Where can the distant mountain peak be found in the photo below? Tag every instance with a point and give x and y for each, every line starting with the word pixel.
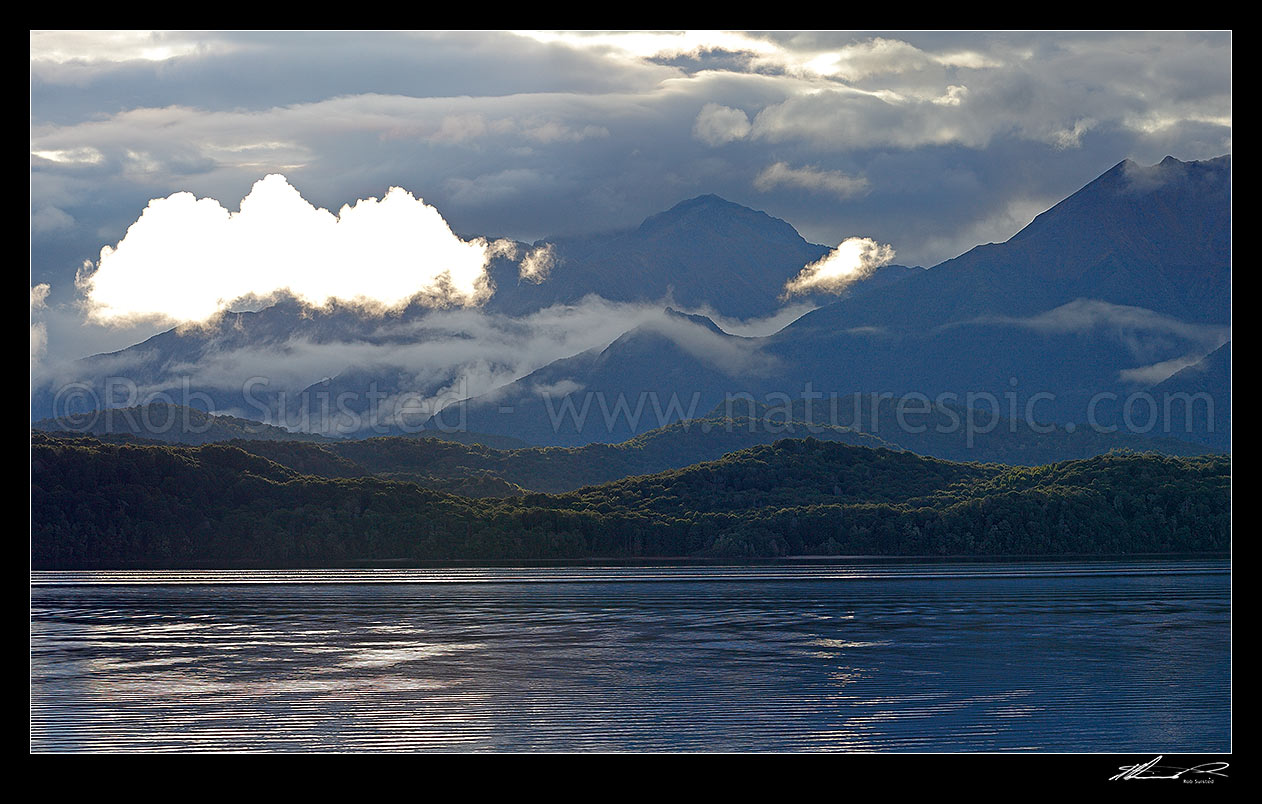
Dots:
pixel 1130 165
pixel 705 200
pixel 700 320
pixel 711 210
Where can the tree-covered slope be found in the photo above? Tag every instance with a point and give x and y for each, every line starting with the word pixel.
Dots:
pixel 556 469
pixel 100 504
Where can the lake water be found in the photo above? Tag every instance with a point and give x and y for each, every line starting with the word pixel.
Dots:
pixel 864 656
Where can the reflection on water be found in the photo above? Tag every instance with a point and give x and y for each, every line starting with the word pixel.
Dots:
pixel 1059 657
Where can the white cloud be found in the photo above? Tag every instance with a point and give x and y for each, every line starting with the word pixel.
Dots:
pixel 109 46
pixel 445 355
pixel 426 358
pixel 1157 372
pixel 70 156
pixel 953 96
pixel 811 178
pixel 874 57
pixel 846 118
pixel 39 343
pixel 735 357
pixel 50 219
pixel 538 263
pixel 186 259
pixel 658 44
pixel 1145 333
pixel 39 332
pixel 760 327
pixel 1071 136
pixel 718 125
pixel 855 258
pixel 1084 315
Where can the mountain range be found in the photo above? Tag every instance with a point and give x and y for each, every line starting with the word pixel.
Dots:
pixel 1096 301
pixel 1117 295
pixel 705 252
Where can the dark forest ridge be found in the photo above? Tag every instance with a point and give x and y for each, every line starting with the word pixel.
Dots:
pixel 99 504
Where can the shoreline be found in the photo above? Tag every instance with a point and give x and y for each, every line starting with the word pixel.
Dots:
pixel 624 562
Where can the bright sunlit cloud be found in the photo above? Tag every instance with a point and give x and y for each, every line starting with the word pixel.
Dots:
pixel 657 44
pixel 186 259
pixel 71 156
pixel 851 62
pixel 856 258
pixel 89 46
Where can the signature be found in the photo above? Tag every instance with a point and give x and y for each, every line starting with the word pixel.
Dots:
pixel 1151 770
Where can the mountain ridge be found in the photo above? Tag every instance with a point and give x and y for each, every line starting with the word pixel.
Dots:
pixel 999 317
pixel 954 329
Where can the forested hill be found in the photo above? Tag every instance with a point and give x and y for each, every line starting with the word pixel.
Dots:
pixel 96 504
pixel 476 470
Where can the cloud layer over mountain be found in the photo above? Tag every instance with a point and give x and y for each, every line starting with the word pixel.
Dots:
pixel 930 142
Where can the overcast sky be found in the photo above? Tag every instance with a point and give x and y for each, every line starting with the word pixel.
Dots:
pixel 929 142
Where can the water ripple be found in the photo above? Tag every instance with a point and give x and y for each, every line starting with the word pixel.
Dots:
pixel 1091 656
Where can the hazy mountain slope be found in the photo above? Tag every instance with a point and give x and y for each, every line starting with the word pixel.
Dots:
pixel 1131 272
pixel 649 377
pixel 1211 376
pixel 1157 237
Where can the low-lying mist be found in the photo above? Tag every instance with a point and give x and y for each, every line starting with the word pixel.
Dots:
pixel 429 357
